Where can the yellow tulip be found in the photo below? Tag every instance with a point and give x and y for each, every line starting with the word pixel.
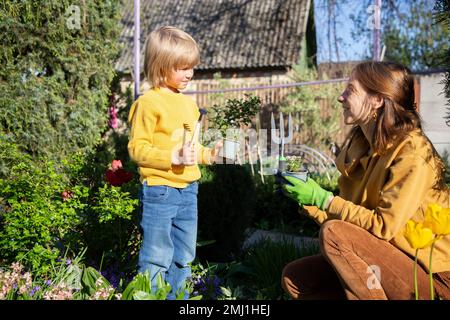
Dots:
pixel 418 237
pixel 437 219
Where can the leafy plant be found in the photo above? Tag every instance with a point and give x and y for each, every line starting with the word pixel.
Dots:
pixel 441 12
pixel 112 203
pixel 294 163
pixel 234 113
pixel 140 288
pixel 328 184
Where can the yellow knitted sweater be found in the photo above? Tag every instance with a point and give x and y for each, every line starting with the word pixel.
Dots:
pixel 157 122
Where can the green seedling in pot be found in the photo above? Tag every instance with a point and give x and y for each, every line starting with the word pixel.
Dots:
pixel 229 117
pixel 294 164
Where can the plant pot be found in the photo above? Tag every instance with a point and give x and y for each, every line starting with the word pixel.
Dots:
pixel 302 175
pixel 230 149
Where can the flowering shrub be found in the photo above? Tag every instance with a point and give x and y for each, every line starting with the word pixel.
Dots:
pixel 37 222
pixel 71 281
pixel 114 275
pixel 47 208
pixel 211 282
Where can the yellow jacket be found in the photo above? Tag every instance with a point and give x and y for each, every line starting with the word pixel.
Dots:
pixel 380 193
pixel 157 124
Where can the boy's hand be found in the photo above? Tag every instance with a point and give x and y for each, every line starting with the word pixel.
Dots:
pixel 187 155
pixel 216 150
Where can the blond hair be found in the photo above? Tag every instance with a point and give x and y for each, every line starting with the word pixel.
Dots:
pixel 166 49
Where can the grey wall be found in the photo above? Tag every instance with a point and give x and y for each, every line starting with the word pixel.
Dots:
pixel 433 109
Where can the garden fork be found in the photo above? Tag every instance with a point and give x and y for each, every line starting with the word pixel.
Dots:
pixel 282 140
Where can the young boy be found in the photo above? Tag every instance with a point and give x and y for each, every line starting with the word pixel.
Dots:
pixel 168 168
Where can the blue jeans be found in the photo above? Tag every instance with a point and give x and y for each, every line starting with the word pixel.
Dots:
pixel 169 228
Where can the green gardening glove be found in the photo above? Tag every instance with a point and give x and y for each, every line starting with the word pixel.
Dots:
pixel 306 193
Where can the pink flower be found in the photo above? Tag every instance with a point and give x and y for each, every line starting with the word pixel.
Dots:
pixel 112 112
pixel 116 164
pixel 66 195
pixel 60 292
pixel 113 121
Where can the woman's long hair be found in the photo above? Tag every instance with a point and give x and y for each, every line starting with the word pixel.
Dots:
pixel 398 115
pixel 395 84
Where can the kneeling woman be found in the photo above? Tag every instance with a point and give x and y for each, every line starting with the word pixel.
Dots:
pixel 390 173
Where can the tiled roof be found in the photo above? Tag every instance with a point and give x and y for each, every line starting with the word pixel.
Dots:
pixel 232 34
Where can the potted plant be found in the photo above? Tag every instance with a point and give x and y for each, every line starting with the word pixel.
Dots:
pixel 228 119
pixel 295 167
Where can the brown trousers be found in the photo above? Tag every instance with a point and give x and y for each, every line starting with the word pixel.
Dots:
pixel 356 265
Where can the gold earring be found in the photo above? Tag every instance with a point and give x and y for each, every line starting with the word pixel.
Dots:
pixel 374 115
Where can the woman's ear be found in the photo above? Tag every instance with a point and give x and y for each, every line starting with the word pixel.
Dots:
pixel 377 101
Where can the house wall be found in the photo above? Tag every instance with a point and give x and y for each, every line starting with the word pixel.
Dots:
pixel 433 110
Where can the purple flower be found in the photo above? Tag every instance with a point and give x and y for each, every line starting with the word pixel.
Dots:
pixel 34 290
pixel 68 262
pixel 48 282
pixel 208 287
pixel 113 275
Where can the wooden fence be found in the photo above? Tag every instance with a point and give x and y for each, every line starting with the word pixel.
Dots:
pixel 271 100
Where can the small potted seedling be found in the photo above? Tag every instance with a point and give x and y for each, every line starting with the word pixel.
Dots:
pixel 228 118
pixel 295 168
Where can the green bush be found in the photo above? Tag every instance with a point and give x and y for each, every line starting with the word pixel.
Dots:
pixel 48 209
pixel 111 227
pixel 54 82
pixel 225 205
pixel 37 220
